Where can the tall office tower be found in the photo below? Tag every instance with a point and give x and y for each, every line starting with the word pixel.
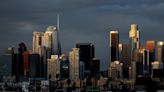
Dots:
pixel 114 42
pixel 51 41
pixel 26 63
pixel 74 63
pixel 95 68
pixel 35 66
pixel 64 67
pixel 115 70
pixel 48 39
pixel 82 70
pixel 124 57
pixel 133 71
pixel 134 39
pixel 17 66
pixel 37 41
pixel 160 51
pixel 53 68
pixel 145 61
pixel 87 52
pixel 5 66
pixel 120 49
pixel 150 45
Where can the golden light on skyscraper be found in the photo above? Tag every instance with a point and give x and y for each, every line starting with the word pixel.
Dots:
pixel 160 43
pixel 120 47
pixel 150 45
pixel 133 31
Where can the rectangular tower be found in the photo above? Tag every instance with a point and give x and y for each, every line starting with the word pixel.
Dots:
pixel 87 52
pixel 74 64
pixel 114 45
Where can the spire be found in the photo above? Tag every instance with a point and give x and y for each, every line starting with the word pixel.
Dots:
pixel 58 25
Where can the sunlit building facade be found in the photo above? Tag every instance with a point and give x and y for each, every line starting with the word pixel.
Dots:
pixel 74 64
pixel 160 51
pixel 134 39
pixel 37 41
pixel 53 66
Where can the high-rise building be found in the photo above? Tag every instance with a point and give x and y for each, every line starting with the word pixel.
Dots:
pixel 74 58
pixel 133 71
pixel 53 68
pixel 150 45
pixel 35 66
pixel 115 70
pixel 124 57
pixel 114 43
pixel 157 69
pixel 134 39
pixel 87 52
pixel 82 70
pixel 17 66
pixel 95 68
pixel 37 41
pixel 160 51
pixel 50 40
pixel 47 43
pixel 64 67
pixel 120 49
pixel 5 66
pixel 26 63
pixel 146 61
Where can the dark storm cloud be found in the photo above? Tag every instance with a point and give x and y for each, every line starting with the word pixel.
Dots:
pixel 81 21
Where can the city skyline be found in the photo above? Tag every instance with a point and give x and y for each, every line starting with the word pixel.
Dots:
pixel 81 21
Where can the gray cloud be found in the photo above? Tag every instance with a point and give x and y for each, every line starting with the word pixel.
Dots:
pixel 81 21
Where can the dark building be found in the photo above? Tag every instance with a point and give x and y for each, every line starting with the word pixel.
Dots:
pixel 17 66
pixel 95 67
pixel 114 42
pixel 26 63
pixel 36 66
pixel 64 69
pixel 150 45
pixel 22 48
pixel 124 54
pixel 87 52
pixel 5 66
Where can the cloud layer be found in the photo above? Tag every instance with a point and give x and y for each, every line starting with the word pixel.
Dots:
pixel 81 21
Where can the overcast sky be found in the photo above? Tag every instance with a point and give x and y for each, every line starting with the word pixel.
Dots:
pixel 81 21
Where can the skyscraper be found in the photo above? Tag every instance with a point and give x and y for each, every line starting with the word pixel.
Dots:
pixel 51 41
pixel 134 39
pixel 37 41
pixel 48 39
pixel 114 43
pixel 47 43
pixel 35 66
pixel 87 52
pixel 145 61
pixel 53 67
pixel 115 70
pixel 160 51
pixel 150 45
pixel 74 64
pixel 124 57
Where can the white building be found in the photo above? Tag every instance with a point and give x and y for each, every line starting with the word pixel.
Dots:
pixel 53 66
pixel 74 64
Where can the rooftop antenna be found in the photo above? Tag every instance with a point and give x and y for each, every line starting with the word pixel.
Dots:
pixel 58 22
